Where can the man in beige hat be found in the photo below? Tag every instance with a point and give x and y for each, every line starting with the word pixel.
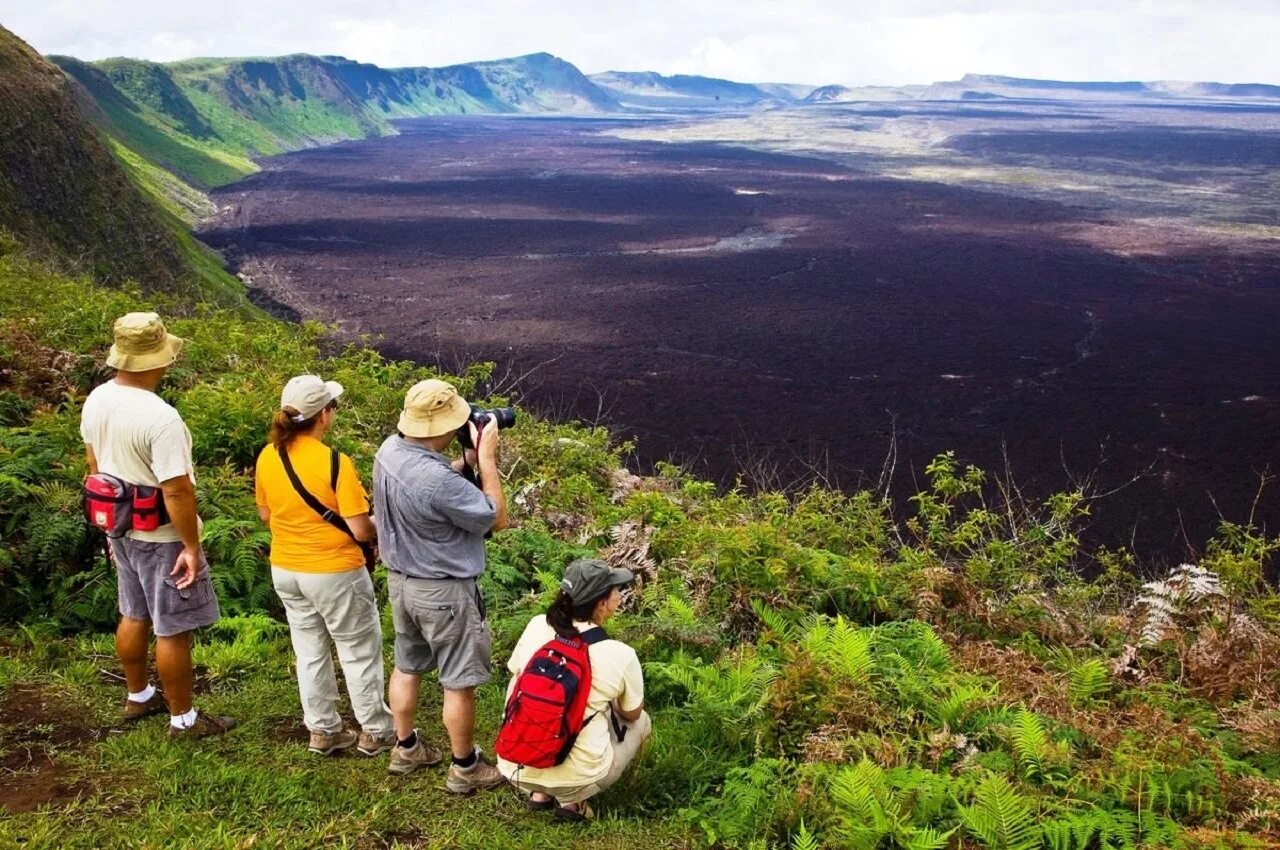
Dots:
pixel 431 528
pixel 163 580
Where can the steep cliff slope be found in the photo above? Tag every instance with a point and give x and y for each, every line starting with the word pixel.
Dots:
pixel 67 198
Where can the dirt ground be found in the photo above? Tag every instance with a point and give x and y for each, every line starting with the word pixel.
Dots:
pixel 35 726
pixel 776 316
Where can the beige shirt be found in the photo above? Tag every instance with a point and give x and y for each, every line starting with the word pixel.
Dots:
pixel 137 436
pixel 615 674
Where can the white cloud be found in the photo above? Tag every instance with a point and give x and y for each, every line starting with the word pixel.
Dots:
pixel 817 41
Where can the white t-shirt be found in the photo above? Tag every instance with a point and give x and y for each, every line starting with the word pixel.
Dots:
pixel 615 674
pixel 137 436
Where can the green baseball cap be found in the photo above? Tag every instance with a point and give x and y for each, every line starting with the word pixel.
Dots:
pixel 590 578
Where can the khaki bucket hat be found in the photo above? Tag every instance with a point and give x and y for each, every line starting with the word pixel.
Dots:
pixel 142 342
pixel 432 408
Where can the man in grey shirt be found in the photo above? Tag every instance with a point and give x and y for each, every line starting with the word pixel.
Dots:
pixel 431 527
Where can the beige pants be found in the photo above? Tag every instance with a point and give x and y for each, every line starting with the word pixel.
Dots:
pixel 337 607
pixel 624 752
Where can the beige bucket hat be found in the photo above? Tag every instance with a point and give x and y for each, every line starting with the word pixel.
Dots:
pixel 142 343
pixel 308 394
pixel 432 408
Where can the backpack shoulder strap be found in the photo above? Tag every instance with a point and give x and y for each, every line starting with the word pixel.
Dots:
pixel 593 635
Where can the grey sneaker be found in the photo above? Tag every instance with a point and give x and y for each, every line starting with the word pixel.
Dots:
pixel 372 745
pixel 479 775
pixel 406 761
pixel 328 743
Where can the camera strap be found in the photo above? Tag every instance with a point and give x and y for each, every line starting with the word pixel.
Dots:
pixel 328 515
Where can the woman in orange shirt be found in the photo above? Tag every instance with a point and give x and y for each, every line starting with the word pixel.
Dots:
pixel 311 497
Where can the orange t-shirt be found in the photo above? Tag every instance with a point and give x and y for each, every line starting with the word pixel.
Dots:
pixel 300 539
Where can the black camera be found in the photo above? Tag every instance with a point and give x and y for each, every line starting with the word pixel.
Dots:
pixel 504 416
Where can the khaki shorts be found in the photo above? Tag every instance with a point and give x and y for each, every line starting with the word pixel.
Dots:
pixel 441 624
pixel 145 590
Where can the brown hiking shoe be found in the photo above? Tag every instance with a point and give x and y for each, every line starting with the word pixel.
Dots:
pixel 479 775
pixel 405 761
pixel 328 743
pixel 205 726
pixel 138 710
pixel 372 745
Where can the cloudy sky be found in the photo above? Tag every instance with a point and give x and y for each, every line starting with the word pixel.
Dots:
pixel 809 41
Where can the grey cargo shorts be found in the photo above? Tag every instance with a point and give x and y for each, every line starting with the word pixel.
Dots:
pixel 441 624
pixel 146 591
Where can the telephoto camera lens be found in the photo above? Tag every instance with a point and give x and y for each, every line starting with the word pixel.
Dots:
pixel 505 417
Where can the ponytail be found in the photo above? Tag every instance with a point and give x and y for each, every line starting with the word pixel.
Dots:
pixel 563 612
pixel 284 429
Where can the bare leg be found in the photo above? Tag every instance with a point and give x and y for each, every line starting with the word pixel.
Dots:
pixel 460 720
pixel 173 660
pixel 403 696
pixel 132 638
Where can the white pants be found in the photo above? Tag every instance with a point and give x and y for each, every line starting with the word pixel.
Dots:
pixel 337 607
pixel 624 752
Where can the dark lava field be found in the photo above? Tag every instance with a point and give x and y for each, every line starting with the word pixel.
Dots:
pixel 782 316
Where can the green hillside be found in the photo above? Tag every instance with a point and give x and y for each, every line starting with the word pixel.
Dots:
pixel 205 120
pixel 69 200
pixel 141 106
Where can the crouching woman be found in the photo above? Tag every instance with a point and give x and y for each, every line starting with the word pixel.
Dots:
pixel 318 568
pixel 616 724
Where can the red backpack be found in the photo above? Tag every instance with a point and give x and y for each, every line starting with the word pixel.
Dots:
pixel 548 705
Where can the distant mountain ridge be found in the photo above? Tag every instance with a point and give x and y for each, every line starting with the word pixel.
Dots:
pixel 647 88
pixel 995 84
pixel 205 119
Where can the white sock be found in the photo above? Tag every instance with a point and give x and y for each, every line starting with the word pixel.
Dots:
pixel 183 721
pixel 143 695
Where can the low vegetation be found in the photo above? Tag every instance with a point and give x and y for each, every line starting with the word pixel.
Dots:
pixel 821 673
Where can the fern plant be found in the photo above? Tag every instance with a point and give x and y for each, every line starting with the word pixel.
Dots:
pixel 1000 817
pixel 841 647
pixel 803 839
pixel 730 695
pixel 1090 680
pixel 873 814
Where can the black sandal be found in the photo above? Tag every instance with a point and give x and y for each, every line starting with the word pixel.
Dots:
pixel 540 805
pixel 582 815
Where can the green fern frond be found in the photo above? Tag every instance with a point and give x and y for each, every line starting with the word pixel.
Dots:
pixel 860 792
pixel 850 651
pixel 1089 681
pixel 1000 817
pixel 774 621
pixel 926 838
pixel 1030 744
pixel 678 610
pixel 955 707
pixel 804 839
pixel 816 636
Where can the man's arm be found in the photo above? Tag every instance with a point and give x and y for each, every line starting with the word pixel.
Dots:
pixel 487 461
pixel 264 514
pixel 91 459
pixel 180 502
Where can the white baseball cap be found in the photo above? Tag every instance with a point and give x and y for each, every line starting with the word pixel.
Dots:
pixel 308 395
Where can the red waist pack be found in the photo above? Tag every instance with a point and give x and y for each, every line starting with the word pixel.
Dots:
pixel 116 507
